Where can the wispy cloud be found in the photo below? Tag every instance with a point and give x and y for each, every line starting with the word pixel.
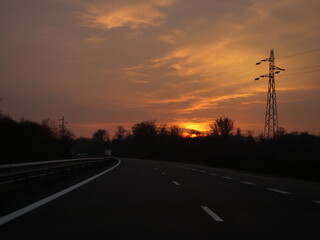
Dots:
pixel 131 14
pixel 221 59
pixel 190 61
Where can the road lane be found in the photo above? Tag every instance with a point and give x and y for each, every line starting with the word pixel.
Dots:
pixel 251 211
pixel 135 201
pixel 131 202
pixel 16 196
pixel 301 187
pixel 13 215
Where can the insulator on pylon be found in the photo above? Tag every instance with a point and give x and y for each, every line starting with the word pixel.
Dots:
pixel 271 117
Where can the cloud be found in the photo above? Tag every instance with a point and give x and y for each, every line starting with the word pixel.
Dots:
pixel 173 60
pixel 175 37
pixel 131 14
pixel 223 53
pixel 140 81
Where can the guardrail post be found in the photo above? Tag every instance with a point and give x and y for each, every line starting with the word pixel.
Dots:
pixel 25 172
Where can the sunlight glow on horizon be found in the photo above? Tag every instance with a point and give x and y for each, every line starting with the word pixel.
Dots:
pixel 108 63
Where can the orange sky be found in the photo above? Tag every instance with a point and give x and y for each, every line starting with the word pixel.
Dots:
pixel 107 63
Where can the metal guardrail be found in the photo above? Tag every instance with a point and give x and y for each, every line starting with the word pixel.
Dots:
pixel 10 173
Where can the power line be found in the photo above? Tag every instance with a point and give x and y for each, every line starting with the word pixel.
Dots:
pixel 301 53
pixel 271 117
pixel 293 74
pixel 266 75
pixel 303 67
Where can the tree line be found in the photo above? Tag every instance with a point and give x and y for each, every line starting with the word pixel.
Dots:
pixel 28 141
pixel 291 154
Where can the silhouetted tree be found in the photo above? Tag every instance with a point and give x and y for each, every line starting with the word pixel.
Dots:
pixel 145 130
pixel 101 142
pixel 120 133
pixel 294 154
pixel 30 141
pixel 175 131
pixel 50 128
pixel 222 126
pixel 250 133
pixel 280 132
pixel 101 135
pixel 238 132
pixel 162 130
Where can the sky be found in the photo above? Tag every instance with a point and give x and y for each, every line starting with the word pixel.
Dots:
pixel 102 64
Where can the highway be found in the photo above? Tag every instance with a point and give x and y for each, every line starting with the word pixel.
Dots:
pixel 146 199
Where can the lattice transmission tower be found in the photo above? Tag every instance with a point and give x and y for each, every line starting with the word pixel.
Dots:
pixel 271 118
pixel 62 126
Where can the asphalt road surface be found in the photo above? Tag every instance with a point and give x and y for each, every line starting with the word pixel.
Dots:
pixel 144 199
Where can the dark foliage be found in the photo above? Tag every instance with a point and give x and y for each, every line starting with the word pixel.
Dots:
pixel 222 126
pixel 93 147
pixel 291 154
pixel 27 141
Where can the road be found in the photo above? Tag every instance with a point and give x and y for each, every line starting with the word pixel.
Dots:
pixel 144 199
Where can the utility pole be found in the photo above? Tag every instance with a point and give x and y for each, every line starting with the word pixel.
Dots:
pixel 62 126
pixel 271 117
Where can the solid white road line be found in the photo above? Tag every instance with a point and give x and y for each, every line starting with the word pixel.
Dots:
pixel 278 191
pixel 228 177
pixel 22 211
pixel 163 173
pixel 249 183
pixel 316 201
pixel 212 174
pixel 10 181
pixel 212 214
pixel 176 183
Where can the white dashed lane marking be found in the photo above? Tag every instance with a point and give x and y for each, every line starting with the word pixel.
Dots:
pixel 228 177
pixel 278 191
pixel 176 183
pixel 225 177
pixel 249 183
pixel 212 214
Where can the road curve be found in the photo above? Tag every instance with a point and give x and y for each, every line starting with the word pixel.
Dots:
pixel 144 199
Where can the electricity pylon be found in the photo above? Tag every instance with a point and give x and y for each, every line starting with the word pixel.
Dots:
pixel 271 118
pixel 62 126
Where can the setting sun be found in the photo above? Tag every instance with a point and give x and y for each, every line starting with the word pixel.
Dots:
pixel 160 119
pixel 106 63
pixel 202 127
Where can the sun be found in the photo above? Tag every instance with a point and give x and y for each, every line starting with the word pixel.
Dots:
pixel 191 128
pixel 201 126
